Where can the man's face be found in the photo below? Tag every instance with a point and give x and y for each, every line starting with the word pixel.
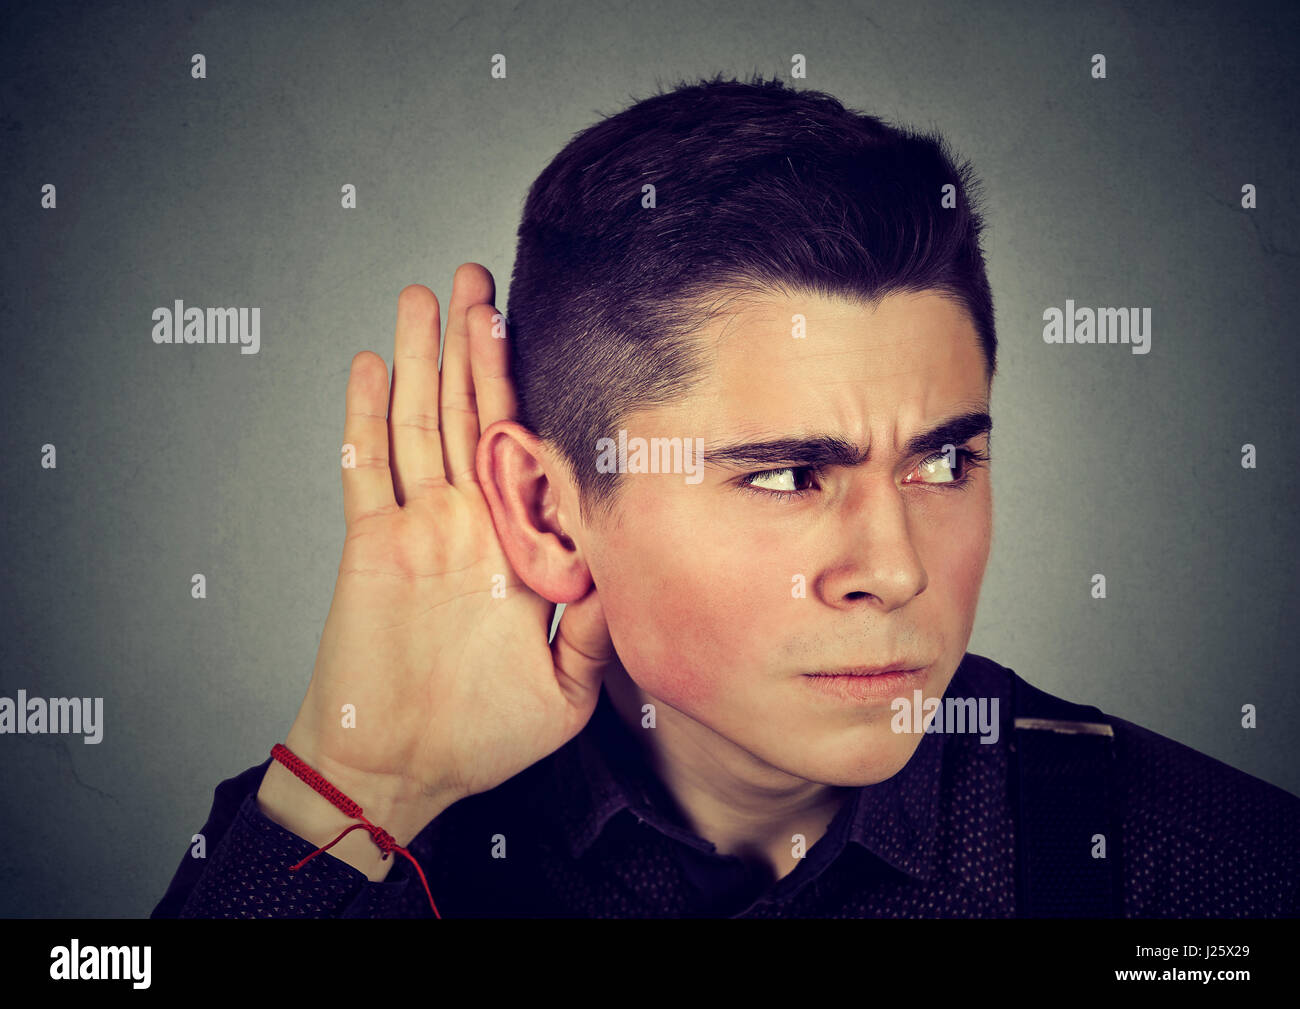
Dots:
pixel 722 595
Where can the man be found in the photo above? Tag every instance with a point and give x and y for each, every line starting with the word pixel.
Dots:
pixel 740 425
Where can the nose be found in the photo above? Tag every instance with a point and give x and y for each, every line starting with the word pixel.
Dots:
pixel 879 565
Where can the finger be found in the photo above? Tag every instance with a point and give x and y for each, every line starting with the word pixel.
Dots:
pixel 367 481
pixel 472 285
pixel 490 364
pixel 417 461
pixel 582 652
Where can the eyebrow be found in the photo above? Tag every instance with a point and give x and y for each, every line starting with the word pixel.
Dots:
pixel 822 450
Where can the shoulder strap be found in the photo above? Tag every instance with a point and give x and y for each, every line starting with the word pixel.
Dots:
pixel 1063 790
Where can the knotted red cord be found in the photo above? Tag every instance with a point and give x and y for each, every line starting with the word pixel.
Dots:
pixel 387 843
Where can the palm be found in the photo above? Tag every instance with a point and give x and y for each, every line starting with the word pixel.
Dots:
pixel 432 639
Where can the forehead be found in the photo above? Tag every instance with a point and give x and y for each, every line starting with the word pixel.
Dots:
pixel 801 361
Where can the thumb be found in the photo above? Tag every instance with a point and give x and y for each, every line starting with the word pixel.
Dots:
pixel 582 650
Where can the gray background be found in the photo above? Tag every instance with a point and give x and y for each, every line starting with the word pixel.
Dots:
pixel 225 191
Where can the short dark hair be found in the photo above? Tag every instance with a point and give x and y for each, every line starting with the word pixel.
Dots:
pixel 758 188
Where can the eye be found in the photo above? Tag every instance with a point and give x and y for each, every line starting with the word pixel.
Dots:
pixel 781 482
pixel 794 482
pixel 936 466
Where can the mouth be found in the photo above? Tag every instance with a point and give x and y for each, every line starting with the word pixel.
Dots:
pixel 868 684
pixel 861 671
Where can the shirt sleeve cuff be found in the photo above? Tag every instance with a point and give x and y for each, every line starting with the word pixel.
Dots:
pixel 248 877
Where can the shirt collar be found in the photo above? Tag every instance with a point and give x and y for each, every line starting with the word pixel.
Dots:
pixel 605 770
pixel 602 771
pixel 897 819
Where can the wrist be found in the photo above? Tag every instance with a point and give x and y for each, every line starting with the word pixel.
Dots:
pixel 388 801
pixel 295 805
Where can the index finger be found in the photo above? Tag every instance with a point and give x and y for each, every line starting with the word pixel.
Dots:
pixel 489 356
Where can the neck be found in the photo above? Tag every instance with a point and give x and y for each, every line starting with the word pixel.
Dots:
pixel 727 795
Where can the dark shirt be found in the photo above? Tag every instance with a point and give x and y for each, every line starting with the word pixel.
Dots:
pixel 590 831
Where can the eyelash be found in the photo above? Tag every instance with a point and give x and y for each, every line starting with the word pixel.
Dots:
pixel 971 460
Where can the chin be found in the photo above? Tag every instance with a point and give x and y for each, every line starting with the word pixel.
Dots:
pixel 853 767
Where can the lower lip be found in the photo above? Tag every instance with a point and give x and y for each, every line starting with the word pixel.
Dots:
pixel 868 689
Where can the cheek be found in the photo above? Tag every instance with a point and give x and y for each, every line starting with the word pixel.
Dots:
pixel 970 561
pixel 689 689
pixel 962 570
pixel 677 612
pixel 956 559
pixel 666 631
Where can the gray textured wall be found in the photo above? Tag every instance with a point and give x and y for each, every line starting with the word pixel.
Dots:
pixel 224 191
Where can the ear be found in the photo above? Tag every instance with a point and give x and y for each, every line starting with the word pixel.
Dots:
pixel 528 491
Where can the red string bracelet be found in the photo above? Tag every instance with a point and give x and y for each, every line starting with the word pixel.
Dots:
pixel 387 843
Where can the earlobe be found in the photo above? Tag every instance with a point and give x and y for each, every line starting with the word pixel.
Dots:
pixel 515 473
